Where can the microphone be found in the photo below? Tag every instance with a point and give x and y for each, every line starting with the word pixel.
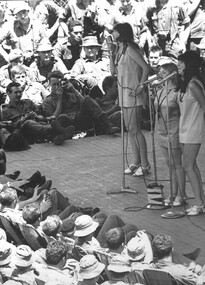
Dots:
pixel 166 78
pixel 151 78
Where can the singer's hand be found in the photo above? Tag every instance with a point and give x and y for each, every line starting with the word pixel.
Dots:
pixel 139 89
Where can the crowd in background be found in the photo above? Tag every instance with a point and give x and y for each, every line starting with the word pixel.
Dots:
pixel 62 69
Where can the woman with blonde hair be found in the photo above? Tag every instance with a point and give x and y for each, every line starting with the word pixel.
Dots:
pixel 167 129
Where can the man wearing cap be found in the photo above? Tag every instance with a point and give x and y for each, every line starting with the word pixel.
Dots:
pixel 28 31
pixel 46 63
pixel 91 70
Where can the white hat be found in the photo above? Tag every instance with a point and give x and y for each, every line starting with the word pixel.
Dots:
pixel 21 6
pixel 90 41
pixel 135 249
pixel 84 225
pixel 119 263
pixel 201 45
pixel 90 267
pixel 23 256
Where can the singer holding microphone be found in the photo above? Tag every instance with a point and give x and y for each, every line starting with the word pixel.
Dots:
pixel 167 127
pixel 127 62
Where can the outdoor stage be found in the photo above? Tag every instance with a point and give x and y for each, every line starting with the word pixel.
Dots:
pixel 85 169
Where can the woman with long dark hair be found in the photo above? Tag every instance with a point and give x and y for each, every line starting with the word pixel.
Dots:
pixel 132 70
pixel 191 126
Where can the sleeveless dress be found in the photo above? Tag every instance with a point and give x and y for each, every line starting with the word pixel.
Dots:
pixel 191 124
pixel 128 74
pixel 161 117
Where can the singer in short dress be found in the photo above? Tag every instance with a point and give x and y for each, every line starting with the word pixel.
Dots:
pixel 191 126
pixel 132 70
pixel 167 129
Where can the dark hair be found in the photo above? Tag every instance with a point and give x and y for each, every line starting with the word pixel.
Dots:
pixel 162 246
pixel 72 23
pixel 108 82
pixel 56 74
pixel 115 237
pixel 192 63
pixel 126 32
pixel 11 85
pixel 55 251
pixel 8 196
pixel 31 213
pixel 2 162
pixel 155 48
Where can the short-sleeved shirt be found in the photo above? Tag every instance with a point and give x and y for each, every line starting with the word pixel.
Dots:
pixel 168 19
pixel 28 40
pixel 14 113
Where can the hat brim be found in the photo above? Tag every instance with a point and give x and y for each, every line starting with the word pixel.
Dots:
pixel 6 260
pixel 43 49
pixel 16 11
pixel 200 46
pixel 137 258
pixel 22 263
pixel 96 45
pixel 119 268
pixel 94 273
pixel 86 231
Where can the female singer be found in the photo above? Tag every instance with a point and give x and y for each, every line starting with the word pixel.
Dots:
pixel 166 100
pixel 132 70
pixel 191 125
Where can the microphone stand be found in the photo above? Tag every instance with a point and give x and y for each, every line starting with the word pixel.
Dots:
pixel 124 188
pixel 170 214
pixel 154 187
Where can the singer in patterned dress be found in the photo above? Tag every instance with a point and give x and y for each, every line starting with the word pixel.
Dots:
pixel 132 70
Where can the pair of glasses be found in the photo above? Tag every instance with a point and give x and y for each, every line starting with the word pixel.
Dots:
pixel 76 33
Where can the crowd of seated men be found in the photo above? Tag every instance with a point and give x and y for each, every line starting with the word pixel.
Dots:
pixel 55 76
pixel 47 240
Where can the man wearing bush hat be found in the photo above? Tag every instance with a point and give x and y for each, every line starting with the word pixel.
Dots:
pixel 90 269
pixel 91 69
pixel 85 228
pixel 46 63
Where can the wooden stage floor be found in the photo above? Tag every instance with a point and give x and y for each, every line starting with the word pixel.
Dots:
pixel 85 169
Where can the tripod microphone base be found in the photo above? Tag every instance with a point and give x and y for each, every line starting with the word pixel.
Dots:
pixel 173 215
pixel 156 207
pixel 123 190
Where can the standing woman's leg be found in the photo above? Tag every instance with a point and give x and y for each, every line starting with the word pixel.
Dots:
pixel 179 175
pixel 190 152
pixel 129 114
pixel 137 135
